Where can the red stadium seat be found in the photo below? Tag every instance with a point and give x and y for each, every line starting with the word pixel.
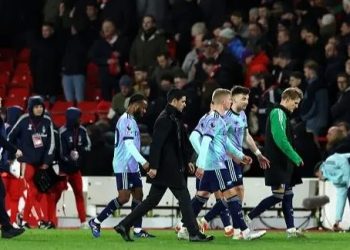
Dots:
pixel 92 75
pixel 6 54
pixel 2 90
pixel 93 93
pixel 47 105
pixel 18 92
pixel 58 119
pixel 87 106
pixel 22 68
pixel 60 107
pixel 23 55
pixel 88 110
pixel 6 67
pixel 4 78
pixel 16 101
pixel 22 80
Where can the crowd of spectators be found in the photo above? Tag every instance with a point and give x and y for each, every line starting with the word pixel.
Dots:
pixel 150 46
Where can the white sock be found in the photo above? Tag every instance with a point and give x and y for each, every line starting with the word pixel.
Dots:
pixel 237 231
pixel 183 230
pixel 245 232
pixel 137 229
pixel 97 221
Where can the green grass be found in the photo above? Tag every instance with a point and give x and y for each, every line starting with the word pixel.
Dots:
pixel 166 239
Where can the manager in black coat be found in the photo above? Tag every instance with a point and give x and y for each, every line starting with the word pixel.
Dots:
pixel 169 159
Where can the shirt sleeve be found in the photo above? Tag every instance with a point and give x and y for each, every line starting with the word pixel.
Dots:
pixel 127 130
pixel 195 139
pixel 203 152
pixel 210 128
pixel 278 131
pixel 342 191
pixel 130 146
pixel 233 150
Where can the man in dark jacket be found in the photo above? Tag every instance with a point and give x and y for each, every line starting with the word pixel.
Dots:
pixel 7 230
pixel 74 143
pixel 148 44
pixel 340 110
pixel 282 175
pixel 45 61
pixel 109 53
pixel 34 134
pixel 169 159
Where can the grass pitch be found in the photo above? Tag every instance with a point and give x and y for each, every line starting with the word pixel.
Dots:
pixel 166 239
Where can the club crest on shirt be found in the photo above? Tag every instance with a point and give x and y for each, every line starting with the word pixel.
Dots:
pixel 44 130
pixel 30 127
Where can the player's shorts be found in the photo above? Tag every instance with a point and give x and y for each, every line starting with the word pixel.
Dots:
pixel 197 183
pixel 127 181
pixel 215 180
pixel 236 172
pixel 282 189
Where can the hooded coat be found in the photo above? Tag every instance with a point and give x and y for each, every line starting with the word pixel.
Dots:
pixel 30 128
pixel 72 136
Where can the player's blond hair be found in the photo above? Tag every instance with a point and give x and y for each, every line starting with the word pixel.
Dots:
pixel 218 94
pixel 292 93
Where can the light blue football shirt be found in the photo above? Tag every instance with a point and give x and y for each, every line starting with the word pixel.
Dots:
pixel 236 126
pixel 215 128
pixel 126 129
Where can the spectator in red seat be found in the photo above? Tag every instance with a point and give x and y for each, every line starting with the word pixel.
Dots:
pixel 110 53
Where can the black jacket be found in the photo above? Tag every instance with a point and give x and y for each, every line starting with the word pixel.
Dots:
pixel 75 56
pixel 28 126
pixel 72 136
pixel 170 149
pixel 4 147
pixel 340 110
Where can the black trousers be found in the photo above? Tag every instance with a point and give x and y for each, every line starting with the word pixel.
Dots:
pixel 4 218
pixel 155 195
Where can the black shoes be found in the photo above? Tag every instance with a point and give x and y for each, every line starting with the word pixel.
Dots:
pixel 12 232
pixel 124 232
pixel 201 238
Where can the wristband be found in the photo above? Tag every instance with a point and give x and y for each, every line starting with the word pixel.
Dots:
pixel 257 152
